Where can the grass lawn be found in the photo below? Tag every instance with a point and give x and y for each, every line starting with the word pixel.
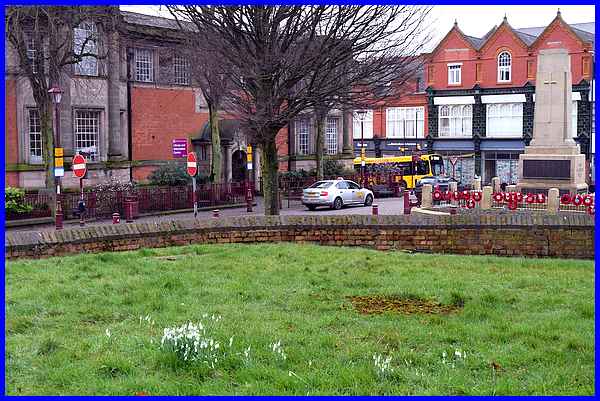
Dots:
pixel 92 324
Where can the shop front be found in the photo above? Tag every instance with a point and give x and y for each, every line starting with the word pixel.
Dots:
pixel 500 159
pixel 459 159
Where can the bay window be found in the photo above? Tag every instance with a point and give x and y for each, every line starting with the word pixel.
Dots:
pixel 504 119
pixel 455 120
pixel 404 122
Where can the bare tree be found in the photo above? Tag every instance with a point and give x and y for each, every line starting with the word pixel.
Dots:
pixel 47 47
pixel 212 78
pixel 285 60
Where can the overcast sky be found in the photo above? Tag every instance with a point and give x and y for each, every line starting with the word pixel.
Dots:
pixel 472 20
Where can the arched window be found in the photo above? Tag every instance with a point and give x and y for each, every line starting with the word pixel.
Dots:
pixel 504 65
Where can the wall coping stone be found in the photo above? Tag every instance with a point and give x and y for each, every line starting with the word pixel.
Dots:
pixel 476 220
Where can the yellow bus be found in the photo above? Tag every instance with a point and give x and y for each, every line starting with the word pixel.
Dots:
pixel 400 171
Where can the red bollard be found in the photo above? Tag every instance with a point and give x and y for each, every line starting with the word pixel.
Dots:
pixel 216 213
pixel 375 209
pixel 406 202
pixel 249 200
pixel 116 218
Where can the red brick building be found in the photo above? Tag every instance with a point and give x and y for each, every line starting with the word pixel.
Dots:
pixel 481 94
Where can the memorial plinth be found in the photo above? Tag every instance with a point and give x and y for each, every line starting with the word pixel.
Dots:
pixel 552 159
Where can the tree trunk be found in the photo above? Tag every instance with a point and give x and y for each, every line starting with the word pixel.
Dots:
pixel 270 175
pixel 216 164
pixel 319 143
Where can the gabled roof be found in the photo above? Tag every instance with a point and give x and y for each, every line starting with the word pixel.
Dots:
pixel 583 36
pixel 528 36
pixel 506 26
pixel 456 29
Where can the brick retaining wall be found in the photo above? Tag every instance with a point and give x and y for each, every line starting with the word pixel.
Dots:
pixel 536 235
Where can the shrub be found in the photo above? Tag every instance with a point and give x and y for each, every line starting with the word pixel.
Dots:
pixel 107 193
pixel 173 174
pixel 334 168
pixel 295 175
pixel 15 201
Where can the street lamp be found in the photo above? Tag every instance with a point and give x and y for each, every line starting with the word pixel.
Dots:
pixel 56 94
pixel 361 114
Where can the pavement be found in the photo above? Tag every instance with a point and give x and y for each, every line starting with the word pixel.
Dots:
pixel 389 206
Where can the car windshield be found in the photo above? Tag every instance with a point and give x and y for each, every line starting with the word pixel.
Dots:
pixel 321 184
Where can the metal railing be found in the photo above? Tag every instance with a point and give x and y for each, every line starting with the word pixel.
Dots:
pixel 146 200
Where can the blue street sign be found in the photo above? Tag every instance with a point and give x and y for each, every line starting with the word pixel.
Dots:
pixel 59 171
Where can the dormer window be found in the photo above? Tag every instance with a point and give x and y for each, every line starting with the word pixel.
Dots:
pixel 504 66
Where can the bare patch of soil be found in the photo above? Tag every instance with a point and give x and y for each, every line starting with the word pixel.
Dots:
pixel 376 304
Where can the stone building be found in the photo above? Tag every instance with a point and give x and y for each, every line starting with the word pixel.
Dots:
pixel 93 115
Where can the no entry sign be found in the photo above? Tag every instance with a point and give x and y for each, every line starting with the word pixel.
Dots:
pixel 192 164
pixel 79 167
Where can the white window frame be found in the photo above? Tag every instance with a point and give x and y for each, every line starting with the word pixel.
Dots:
pixel 86 33
pixel 454 73
pixel 367 125
pixel 34 137
pixel 331 135
pixel 405 122
pixel 302 130
pixel 504 67
pixel 460 121
pixel 181 70
pixel 144 64
pixel 86 132
pixel 504 120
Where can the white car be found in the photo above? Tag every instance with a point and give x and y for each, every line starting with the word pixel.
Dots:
pixel 336 194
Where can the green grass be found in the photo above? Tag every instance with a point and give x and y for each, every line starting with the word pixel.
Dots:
pixel 533 318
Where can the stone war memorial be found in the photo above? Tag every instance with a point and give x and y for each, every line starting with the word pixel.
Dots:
pixel 552 159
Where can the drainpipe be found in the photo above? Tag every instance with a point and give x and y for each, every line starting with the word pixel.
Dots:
pixel 129 128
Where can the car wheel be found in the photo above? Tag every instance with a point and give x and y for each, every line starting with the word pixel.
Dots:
pixel 337 203
pixel 368 200
pixel 311 207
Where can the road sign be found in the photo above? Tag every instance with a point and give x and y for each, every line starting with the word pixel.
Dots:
pixel 58 152
pixel 249 157
pixel 59 172
pixel 180 148
pixel 79 167
pixel 192 164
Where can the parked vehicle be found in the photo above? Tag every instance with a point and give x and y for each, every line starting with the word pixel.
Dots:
pixel 441 182
pixel 336 194
pixel 386 175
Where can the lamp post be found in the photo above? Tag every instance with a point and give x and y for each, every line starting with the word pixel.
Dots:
pixel 56 94
pixel 361 116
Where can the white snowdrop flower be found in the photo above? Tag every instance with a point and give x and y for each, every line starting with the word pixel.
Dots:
pixel 457 353
pixel 444 354
pixel 310 362
pixel 107 333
